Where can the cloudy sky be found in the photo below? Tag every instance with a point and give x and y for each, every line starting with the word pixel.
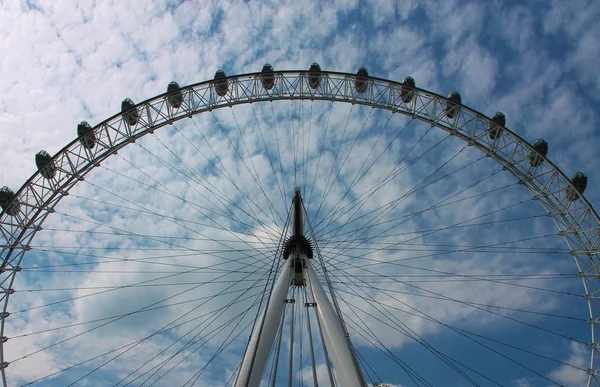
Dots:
pixel 152 271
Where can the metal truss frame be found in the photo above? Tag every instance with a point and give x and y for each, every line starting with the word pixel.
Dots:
pixel 576 220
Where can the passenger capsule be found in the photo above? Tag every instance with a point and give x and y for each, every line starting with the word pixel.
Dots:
pixel 45 164
pixel 174 96
pixel 540 146
pixel 86 135
pixel 406 91
pixel 451 104
pixel 221 83
pixel 360 81
pixel 267 76
pixel 495 127
pixel 577 187
pixel 8 201
pixel 314 76
pixel 129 112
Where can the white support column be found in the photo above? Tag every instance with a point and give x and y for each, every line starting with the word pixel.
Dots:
pixel 338 346
pixel 263 336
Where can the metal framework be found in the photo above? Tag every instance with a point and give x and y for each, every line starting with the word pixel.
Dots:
pixel 298 271
pixel 576 220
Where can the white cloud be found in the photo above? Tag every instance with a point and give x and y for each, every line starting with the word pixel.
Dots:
pixel 578 356
pixel 67 63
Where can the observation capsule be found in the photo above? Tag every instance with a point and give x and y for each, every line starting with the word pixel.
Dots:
pixel 451 104
pixel 360 82
pixel 220 82
pixel 45 164
pixel 495 128
pixel 267 76
pixel 86 135
pixel 406 91
pixel 129 112
pixel 314 76
pixel 8 201
pixel 540 146
pixel 579 182
pixel 175 96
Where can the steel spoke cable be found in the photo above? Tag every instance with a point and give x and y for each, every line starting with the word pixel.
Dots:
pixel 268 154
pixel 149 238
pixel 358 176
pixel 388 246
pixel 257 219
pixel 194 174
pixel 426 232
pixel 173 219
pixel 208 251
pixel 218 329
pixel 222 347
pixel 333 252
pixel 178 172
pixel 320 155
pixel 424 316
pixel 418 186
pixel 485 346
pixel 339 170
pixel 131 286
pixel 278 148
pixel 480 275
pixel 455 225
pixel 437 205
pixel 275 264
pixel 229 272
pixel 104 259
pixel 164 236
pixel 57 328
pixel 379 345
pixel 369 239
pixel 129 348
pixel 469 279
pixel 354 307
pixel 123 346
pixel 405 328
pixel 396 171
pixel 306 155
pixel 366 366
pixel 396 263
pixel 212 191
pixel 245 165
pixel 255 176
pixel 170 193
pixel 440 355
pixel 295 140
pixel 151 260
pixel 118 318
pixel 337 152
pixel 354 181
pixel 444 297
pixel 474 277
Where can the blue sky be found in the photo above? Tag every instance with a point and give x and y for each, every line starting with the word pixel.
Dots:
pixel 167 195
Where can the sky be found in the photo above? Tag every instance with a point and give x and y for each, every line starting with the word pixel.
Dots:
pixel 461 280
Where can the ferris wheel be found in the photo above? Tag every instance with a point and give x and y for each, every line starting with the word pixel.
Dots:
pixel 298 228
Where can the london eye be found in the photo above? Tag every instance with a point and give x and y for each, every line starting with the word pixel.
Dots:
pixel 290 238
